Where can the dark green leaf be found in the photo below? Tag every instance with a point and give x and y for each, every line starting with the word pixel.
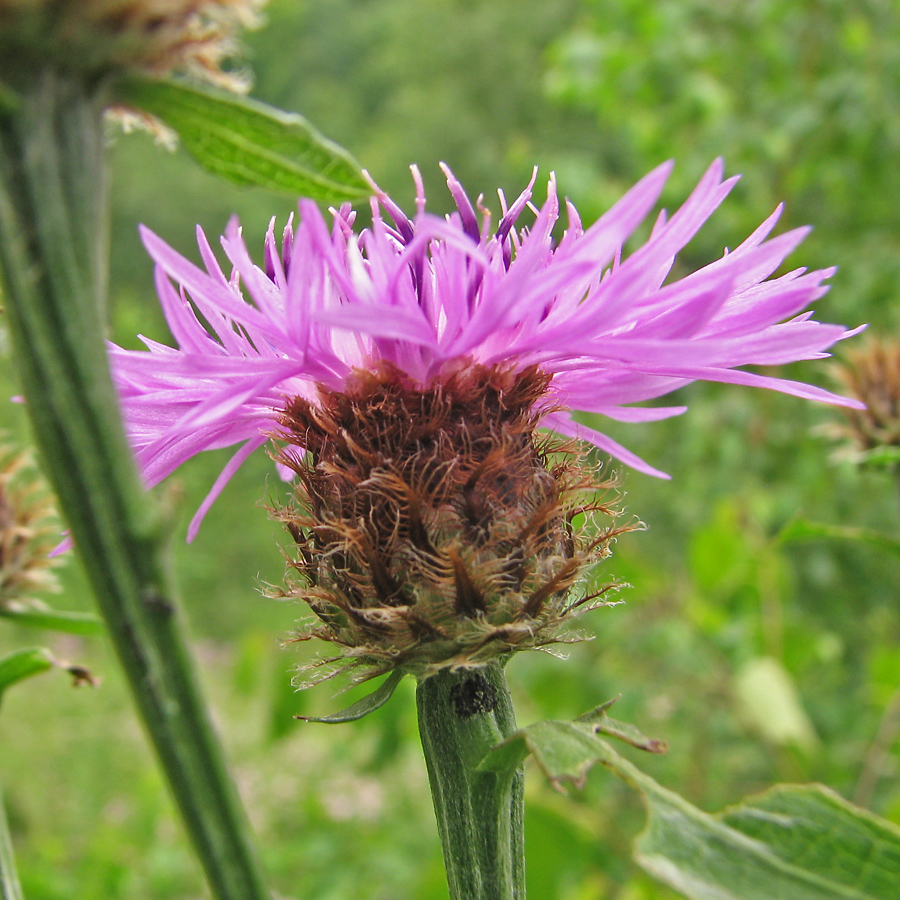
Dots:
pixel 53 620
pixel 363 707
pixel 23 664
pixel 791 843
pixel 248 142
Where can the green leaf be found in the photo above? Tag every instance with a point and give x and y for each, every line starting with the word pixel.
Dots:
pixel 248 142
pixel 52 619
pixel 768 700
pixel 886 456
pixel 363 707
pixel 622 731
pixel 795 842
pixel 565 751
pixel 801 529
pixel 23 664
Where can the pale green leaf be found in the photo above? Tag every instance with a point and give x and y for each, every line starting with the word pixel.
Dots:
pixel 791 843
pixel 248 142
pixel 768 701
pixel 362 707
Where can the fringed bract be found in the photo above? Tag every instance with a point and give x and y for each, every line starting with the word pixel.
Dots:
pixel 434 526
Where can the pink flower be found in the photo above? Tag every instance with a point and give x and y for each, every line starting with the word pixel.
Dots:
pixel 430 293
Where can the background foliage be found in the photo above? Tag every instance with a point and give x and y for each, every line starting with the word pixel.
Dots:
pixel 757 659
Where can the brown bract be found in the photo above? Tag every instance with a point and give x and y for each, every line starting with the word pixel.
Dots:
pixel 437 526
pixel 28 531
pixel 871 374
pixel 94 37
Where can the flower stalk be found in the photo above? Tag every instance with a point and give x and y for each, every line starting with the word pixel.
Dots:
pixel 53 252
pixel 463 714
pixel 10 889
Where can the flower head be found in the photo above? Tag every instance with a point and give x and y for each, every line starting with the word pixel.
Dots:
pixel 405 370
pixel 430 295
pixel 98 36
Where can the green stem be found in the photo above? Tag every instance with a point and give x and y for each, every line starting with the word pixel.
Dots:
pixel 462 715
pixel 10 889
pixel 53 219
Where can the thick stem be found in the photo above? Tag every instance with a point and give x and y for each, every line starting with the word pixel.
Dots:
pixel 462 715
pixel 53 253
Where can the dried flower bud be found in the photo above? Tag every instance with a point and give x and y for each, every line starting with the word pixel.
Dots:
pixel 434 526
pixel 28 530
pixel 94 37
pixel 872 374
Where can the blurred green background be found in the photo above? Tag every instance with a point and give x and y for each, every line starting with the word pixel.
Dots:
pixel 757 660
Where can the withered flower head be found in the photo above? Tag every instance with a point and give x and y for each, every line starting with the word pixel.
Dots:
pixel 871 374
pixel 95 37
pixel 406 369
pixel 29 530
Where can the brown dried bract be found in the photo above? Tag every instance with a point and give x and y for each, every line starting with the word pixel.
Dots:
pixel 436 526
pixel 871 374
pixel 29 529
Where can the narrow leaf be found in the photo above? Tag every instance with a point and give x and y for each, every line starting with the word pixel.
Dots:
pixel 886 456
pixel 248 142
pixel 52 619
pixel 801 529
pixel 795 842
pixel 23 664
pixel 363 707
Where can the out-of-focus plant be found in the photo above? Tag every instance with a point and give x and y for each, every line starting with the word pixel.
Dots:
pixel 62 67
pixel 407 369
pixel 802 97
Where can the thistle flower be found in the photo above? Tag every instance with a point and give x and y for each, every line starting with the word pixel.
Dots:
pixel 405 371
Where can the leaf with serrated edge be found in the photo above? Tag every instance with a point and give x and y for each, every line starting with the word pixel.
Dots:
pixel 795 842
pixel 362 707
pixel 248 142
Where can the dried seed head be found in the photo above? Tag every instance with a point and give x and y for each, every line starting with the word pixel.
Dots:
pixel 872 374
pixel 98 36
pixel 434 526
pixel 28 530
